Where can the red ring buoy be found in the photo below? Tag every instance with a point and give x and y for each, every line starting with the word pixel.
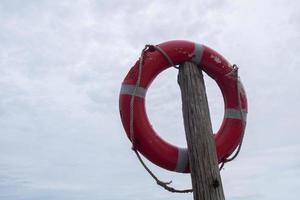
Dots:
pixel 146 140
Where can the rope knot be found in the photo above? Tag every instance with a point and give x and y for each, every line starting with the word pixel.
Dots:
pixel 150 47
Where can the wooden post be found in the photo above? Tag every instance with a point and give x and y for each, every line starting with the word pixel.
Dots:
pixel 206 179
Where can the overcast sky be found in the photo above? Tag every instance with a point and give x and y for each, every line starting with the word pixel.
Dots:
pixel 61 67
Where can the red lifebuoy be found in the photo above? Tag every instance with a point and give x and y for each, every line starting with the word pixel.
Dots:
pixel 147 141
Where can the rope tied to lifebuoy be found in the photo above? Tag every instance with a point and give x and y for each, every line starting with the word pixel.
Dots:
pixel 163 184
pixel 235 75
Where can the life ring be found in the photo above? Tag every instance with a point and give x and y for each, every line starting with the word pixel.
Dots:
pixel 147 141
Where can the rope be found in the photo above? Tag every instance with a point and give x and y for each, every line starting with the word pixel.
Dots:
pixel 163 184
pixel 235 73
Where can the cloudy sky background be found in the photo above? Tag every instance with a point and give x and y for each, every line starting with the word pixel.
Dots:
pixel 61 66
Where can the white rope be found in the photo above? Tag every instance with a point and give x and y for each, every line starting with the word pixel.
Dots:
pixel 163 184
pixel 239 89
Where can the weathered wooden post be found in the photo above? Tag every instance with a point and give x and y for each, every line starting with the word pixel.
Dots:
pixel 206 179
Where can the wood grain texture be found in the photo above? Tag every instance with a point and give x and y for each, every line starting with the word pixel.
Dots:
pixel 206 179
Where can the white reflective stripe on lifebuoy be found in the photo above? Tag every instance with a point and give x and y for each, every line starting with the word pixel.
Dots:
pixel 129 89
pixel 197 54
pixel 182 160
pixel 235 114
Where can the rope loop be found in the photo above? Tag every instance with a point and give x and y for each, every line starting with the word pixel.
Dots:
pixel 163 184
pixel 234 72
